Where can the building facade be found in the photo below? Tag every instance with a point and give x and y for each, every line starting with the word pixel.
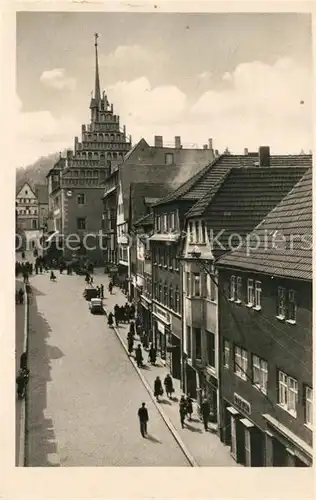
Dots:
pixel 75 182
pixel 265 333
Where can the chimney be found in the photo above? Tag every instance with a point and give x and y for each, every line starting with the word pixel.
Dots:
pixel 246 151
pixel 264 156
pixel 158 141
pixel 205 146
pixel 210 143
pixel 177 142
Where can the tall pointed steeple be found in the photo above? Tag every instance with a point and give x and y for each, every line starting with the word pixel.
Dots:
pixel 97 93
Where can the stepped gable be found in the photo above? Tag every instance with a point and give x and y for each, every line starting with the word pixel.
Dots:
pixel 289 258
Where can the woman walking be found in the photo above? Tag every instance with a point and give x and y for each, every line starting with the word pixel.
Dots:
pixel 152 355
pixel 158 390
pixel 189 408
pixel 168 385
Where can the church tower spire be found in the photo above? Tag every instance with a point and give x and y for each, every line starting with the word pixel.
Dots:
pixel 97 93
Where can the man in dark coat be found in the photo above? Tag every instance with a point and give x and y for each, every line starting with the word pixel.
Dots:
pixel 139 356
pixel 143 419
pixel 205 411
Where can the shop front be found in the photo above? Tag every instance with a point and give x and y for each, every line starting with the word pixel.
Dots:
pixel 209 390
pixel 161 331
pixel 174 348
pixel 144 308
pixel 246 440
pixel 122 277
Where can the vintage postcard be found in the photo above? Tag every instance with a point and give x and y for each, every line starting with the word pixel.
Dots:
pixel 163 248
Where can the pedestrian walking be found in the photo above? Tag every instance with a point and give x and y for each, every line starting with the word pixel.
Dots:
pixel 152 355
pixel 132 311
pixel 139 356
pixel 168 385
pixel 21 296
pixel 205 411
pixel 102 291
pixel 143 419
pixel 158 390
pixel 110 287
pixel 52 276
pixel 130 344
pixel 110 319
pixel 182 409
pixel 132 328
pixel 189 406
pixel 145 339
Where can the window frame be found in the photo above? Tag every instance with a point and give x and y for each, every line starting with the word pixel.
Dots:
pixel 241 368
pixel 79 195
pixel 199 330
pixel 260 368
pixel 232 288
pixel 308 404
pixel 250 287
pixel 291 303
pixel 196 284
pixel 284 388
pixel 226 353
pixel 85 223
pixel 257 295
pixel 281 308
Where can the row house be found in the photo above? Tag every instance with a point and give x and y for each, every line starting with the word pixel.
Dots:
pixel 145 165
pixel 31 211
pixel 265 338
pixel 229 210
pixel 75 182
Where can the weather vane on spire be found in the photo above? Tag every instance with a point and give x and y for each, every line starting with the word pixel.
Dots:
pixel 96 36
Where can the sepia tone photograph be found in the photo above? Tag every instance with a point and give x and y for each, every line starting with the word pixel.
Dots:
pixel 163 241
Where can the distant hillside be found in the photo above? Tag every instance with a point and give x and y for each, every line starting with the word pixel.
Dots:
pixel 36 173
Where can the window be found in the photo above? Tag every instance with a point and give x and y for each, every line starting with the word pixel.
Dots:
pixel 196 284
pixel 158 224
pixel 210 340
pixel 159 292
pixel 188 284
pixel 165 294
pixel 171 304
pixel 165 222
pixel 288 389
pixel 34 224
pixel 81 199
pixel 308 406
pixel 241 362
pixel 211 287
pixel 81 223
pixel 198 343
pixel 260 373
pixel 239 289
pixel 190 230
pixel 232 291
pixel 169 158
pixel 203 232
pixel 177 300
pixel 226 354
pixel 189 342
pixel 172 221
pixel 292 307
pixel 250 293
pixel 281 303
pixel 258 295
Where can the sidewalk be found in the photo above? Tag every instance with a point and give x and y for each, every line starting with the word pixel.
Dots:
pixel 19 405
pixel 205 448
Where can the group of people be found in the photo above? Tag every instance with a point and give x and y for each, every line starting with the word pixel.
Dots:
pixel 123 314
pixel 158 389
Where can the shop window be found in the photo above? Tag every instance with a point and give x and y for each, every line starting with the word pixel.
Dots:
pixel 287 393
pixel 241 362
pixel 189 341
pixel 210 339
pixel 260 373
pixel 198 343
pixel 226 354
pixel 308 406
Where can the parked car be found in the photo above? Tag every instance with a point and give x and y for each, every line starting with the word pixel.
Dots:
pixel 90 293
pixel 96 306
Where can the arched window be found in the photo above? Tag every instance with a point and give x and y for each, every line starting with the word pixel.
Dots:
pixel 89 155
pixel 109 156
pixel 84 155
pixel 89 173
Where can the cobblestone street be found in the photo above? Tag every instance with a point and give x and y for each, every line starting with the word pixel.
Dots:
pixel 84 392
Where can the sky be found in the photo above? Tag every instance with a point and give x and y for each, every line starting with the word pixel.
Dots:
pixel 244 80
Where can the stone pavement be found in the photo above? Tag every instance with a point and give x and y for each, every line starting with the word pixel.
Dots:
pixel 205 447
pixel 83 391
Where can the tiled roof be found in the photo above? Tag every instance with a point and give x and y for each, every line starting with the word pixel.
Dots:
pixel 198 186
pixel 279 253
